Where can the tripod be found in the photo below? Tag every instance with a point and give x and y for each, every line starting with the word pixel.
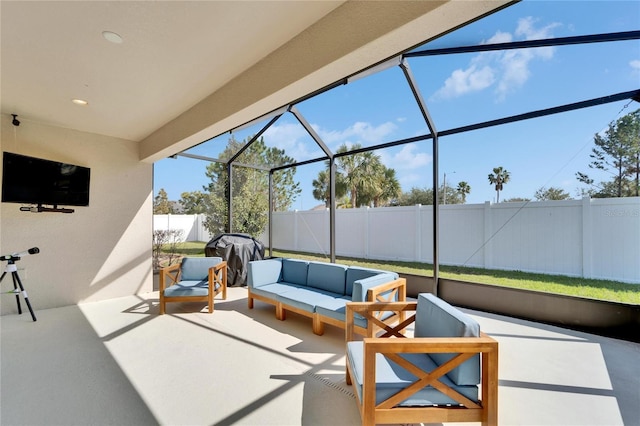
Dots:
pixel 17 285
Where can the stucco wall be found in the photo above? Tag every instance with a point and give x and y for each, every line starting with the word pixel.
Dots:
pixel 98 252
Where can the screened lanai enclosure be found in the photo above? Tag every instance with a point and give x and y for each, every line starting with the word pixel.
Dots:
pixel 417 123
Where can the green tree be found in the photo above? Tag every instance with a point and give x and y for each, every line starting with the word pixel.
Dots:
pixel 425 196
pixel 550 194
pixel 416 196
pixel 383 188
pixel 322 190
pixel 358 171
pixel 499 177
pixel 250 189
pixel 463 189
pixel 193 202
pixel 161 203
pixel 617 152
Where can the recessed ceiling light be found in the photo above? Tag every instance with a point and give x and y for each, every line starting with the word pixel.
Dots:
pixel 112 37
pixel 80 102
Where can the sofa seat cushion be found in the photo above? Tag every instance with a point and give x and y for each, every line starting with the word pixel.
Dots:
pixel 437 318
pixel 188 288
pixel 305 298
pixel 336 309
pixel 273 290
pixel 391 378
pixel 327 276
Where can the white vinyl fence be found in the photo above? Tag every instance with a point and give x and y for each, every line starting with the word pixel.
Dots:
pixel 591 238
pixel 192 225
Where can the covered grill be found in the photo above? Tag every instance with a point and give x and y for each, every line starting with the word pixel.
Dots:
pixel 238 250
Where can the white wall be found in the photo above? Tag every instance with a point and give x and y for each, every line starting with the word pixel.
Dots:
pixel 98 252
pixel 591 238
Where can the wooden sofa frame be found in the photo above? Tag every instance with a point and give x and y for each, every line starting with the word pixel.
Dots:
pixel 170 275
pixel 394 288
pixel 392 342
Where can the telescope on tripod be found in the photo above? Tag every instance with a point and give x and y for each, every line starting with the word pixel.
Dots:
pixel 18 288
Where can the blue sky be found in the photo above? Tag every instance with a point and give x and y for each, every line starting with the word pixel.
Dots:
pixel 466 89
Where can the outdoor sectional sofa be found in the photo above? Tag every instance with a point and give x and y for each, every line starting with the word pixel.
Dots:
pixel 321 290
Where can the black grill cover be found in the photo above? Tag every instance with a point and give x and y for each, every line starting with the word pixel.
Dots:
pixel 238 250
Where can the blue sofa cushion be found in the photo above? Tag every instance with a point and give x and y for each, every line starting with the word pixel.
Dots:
pixel 295 271
pixel 362 286
pixel 273 290
pixel 355 273
pixel 197 268
pixel 336 308
pixel 306 298
pixel 327 276
pixel 391 378
pixel 261 272
pixel 437 318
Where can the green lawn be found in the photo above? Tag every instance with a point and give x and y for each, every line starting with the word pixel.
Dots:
pixel 572 286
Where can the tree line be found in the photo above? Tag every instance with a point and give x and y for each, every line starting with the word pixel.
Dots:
pixel 362 180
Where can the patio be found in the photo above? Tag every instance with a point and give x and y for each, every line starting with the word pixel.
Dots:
pixel 118 362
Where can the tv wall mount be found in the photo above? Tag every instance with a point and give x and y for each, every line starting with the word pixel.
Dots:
pixel 42 209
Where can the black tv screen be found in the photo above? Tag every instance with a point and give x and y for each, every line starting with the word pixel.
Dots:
pixel 30 180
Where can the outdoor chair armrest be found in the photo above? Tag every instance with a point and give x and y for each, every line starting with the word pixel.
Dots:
pixel 171 273
pixel 218 274
pixel 371 311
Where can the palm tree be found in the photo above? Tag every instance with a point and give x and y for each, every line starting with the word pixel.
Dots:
pixel 387 187
pixel 463 189
pixel 499 177
pixel 321 190
pixel 358 171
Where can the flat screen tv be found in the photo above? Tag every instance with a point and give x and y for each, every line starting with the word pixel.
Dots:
pixel 30 180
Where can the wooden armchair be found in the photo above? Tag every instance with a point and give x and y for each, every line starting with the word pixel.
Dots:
pixel 445 375
pixel 194 279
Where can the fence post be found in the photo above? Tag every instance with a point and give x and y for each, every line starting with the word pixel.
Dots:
pixel 295 230
pixel 587 238
pixel 418 222
pixel 366 233
pixel 487 251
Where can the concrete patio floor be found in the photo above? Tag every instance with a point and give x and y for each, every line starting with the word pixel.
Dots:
pixel 117 362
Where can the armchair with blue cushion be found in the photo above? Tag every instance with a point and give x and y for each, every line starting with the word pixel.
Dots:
pixel 446 371
pixel 194 279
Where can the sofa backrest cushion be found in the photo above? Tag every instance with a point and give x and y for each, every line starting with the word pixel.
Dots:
pixel 294 271
pixel 437 318
pixel 361 287
pixel 197 268
pixel 327 276
pixel 355 273
pixel 265 271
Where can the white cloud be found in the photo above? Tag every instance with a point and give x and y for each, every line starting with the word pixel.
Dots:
pixel 298 144
pixel 635 65
pixel 507 70
pixel 466 81
pixel 360 132
pixel 407 158
pixel 294 139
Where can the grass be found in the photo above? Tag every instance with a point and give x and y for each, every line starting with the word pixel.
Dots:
pixel 558 284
